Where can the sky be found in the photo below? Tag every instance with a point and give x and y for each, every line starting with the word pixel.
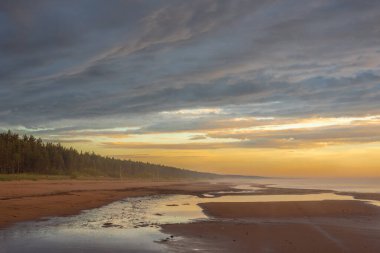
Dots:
pixel 254 87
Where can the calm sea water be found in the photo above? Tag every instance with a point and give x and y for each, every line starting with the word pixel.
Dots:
pixel 369 185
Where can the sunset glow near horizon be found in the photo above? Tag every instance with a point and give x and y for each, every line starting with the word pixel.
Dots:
pixel 268 88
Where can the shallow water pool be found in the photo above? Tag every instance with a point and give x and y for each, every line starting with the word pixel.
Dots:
pixel 129 225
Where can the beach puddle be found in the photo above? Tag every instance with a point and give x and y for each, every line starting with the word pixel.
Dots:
pixel 238 189
pixel 129 225
pixel 364 185
pixel 372 202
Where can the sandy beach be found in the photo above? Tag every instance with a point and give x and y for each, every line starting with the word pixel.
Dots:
pixel 296 209
pixel 315 226
pixel 285 226
pixel 30 200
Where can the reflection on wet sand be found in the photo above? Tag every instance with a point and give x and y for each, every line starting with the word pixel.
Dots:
pixel 133 224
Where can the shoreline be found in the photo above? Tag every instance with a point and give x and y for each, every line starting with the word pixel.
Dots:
pixel 32 200
pixel 288 226
pixel 330 226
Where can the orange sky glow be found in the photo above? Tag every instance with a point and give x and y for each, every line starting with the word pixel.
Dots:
pixel 240 87
pixel 323 147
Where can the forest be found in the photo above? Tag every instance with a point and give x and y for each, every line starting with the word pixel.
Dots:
pixel 27 154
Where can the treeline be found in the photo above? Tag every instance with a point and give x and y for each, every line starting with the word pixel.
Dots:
pixel 27 154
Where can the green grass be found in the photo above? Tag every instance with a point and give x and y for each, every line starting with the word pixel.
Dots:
pixel 79 176
pixel 33 177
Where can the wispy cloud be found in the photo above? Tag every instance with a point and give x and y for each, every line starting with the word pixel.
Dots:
pixel 212 74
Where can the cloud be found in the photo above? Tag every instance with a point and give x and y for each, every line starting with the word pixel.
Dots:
pixel 305 137
pixel 283 140
pixel 185 146
pixel 197 66
pixel 197 137
pixel 144 156
pixel 70 141
pixel 306 133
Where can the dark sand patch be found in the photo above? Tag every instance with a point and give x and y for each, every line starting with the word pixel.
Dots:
pixel 274 237
pixel 287 227
pixel 293 209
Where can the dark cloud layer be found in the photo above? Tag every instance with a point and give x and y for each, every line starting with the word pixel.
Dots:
pixel 116 62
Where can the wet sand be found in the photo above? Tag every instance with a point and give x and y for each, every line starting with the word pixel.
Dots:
pixel 30 200
pixel 293 209
pixel 288 226
pixel 304 226
pixel 356 195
